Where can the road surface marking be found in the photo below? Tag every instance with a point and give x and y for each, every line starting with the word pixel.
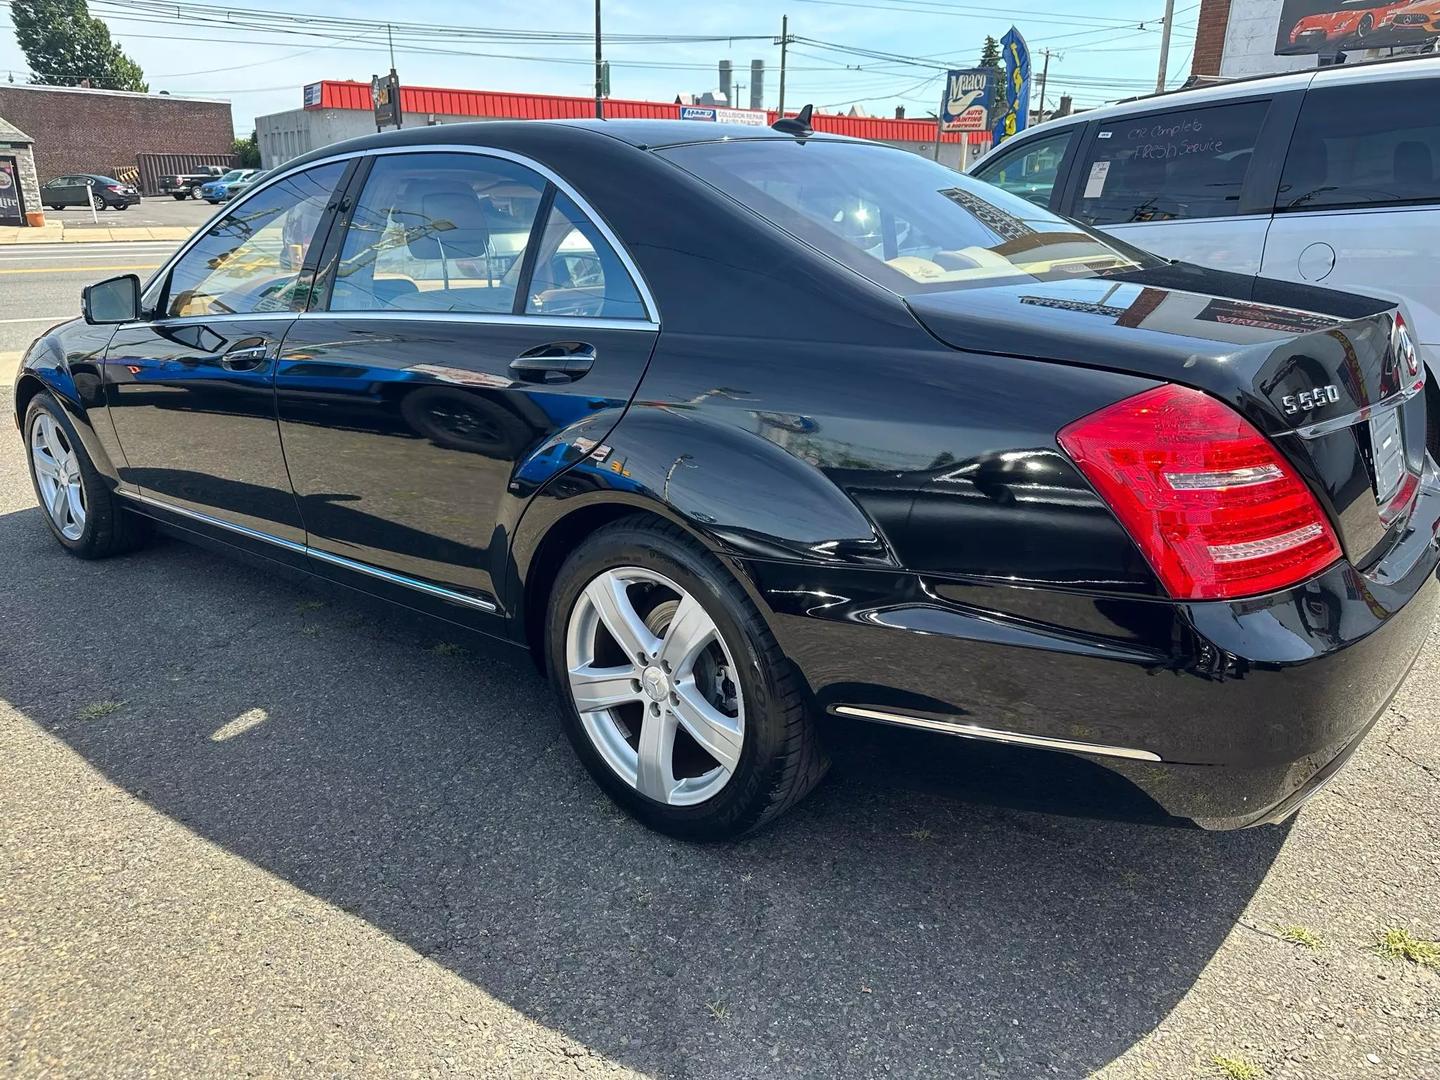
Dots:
pixel 40 318
pixel 77 269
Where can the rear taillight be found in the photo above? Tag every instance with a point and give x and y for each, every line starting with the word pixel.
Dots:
pixel 114 187
pixel 1215 509
pixel 1405 347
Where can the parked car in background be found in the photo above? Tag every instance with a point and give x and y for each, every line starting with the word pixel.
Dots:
pixel 1327 177
pixel 224 187
pixel 1417 21
pixel 188 185
pixel 256 175
pixel 86 189
pixel 919 449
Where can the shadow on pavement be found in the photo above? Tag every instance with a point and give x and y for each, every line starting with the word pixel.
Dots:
pixel 891 924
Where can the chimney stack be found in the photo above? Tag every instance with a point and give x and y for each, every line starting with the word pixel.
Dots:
pixel 899 112
pixel 757 84
pixel 727 82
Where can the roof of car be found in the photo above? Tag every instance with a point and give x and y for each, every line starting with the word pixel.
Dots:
pixel 643 134
pixel 1403 67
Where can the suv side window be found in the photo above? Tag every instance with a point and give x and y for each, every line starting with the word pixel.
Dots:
pixel 1169 166
pixel 1030 170
pixel 438 232
pixel 1364 144
pixel 250 260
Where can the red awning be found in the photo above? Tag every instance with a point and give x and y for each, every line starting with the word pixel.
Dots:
pixel 494 104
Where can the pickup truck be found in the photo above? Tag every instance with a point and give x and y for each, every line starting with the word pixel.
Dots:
pixel 187 185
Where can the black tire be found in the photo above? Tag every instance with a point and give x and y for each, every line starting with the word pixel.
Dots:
pixel 178 196
pixel 195 192
pixel 98 201
pixel 781 759
pixel 57 208
pixel 110 527
pixel 1367 23
pixel 122 206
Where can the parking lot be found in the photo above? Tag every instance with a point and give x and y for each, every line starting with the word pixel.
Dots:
pixel 250 828
pixel 153 210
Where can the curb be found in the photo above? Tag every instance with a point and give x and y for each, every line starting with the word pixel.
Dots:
pixel 58 234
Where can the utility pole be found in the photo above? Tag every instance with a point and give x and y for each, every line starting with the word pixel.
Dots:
pixel 394 79
pixel 599 74
pixel 1165 46
pixel 784 42
pixel 1044 78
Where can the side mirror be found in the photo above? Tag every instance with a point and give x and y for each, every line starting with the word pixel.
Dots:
pixel 116 300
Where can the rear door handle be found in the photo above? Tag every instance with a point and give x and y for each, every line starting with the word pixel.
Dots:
pixel 559 361
pixel 245 358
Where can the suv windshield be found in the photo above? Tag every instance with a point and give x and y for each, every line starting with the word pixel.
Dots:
pixel 906 223
pixel 233 174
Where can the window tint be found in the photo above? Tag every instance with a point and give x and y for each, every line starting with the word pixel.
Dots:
pixel 1174 165
pixel 1365 145
pixel 250 260
pixel 1030 170
pixel 907 223
pixel 438 232
pixel 577 272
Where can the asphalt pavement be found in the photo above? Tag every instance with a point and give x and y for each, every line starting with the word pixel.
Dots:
pixel 251 828
pixel 152 210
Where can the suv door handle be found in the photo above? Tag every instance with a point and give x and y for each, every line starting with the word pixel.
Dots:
pixel 245 358
pixel 559 361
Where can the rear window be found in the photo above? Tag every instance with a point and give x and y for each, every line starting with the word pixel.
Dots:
pixel 1365 145
pixel 1171 166
pixel 901 220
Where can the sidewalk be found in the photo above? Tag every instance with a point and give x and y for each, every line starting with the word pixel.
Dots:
pixel 55 232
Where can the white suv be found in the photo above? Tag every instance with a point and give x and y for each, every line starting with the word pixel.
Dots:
pixel 1329 176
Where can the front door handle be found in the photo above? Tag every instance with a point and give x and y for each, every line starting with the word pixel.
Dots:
pixel 559 361
pixel 245 358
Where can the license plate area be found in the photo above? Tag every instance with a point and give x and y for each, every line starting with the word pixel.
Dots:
pixel 1387 451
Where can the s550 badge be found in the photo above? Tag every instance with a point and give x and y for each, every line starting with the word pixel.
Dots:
pixel 1306 400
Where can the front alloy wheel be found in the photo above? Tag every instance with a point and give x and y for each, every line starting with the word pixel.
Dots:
pixel 57 477
pixel 656 691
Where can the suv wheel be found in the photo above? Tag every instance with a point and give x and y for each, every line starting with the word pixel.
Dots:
pixel 195 191
pixel 675 693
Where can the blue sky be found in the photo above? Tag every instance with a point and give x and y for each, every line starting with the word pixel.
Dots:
pixel 1102 51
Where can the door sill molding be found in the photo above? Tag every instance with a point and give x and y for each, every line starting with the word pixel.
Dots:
pixel 316 554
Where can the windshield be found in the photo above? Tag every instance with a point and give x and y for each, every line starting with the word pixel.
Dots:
pixel 233 174
pixel 902 221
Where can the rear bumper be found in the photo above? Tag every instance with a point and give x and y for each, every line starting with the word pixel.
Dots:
pixel 1229 714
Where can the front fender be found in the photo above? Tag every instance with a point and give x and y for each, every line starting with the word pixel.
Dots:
pixel 68 363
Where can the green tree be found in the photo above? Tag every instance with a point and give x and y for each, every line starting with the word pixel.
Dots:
pixel 990 54
pixel 66 46
pixel 247 152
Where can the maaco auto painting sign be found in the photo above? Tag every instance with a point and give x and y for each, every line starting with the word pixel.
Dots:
pixel 1017 88
pixel 966 104
pixel 1333 26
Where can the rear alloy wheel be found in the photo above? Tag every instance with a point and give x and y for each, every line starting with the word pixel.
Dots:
pixel 679 700
pixel 82 511
pixel 195 192
pixel 97 200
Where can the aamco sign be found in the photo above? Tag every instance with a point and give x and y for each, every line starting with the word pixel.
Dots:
pixel 966 105
pixel 721 115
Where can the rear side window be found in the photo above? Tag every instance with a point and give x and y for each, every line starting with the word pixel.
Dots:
pixel 1375 144
pixel 1169 166
pixel 577 273
pixel 1029 171
pixel 438 232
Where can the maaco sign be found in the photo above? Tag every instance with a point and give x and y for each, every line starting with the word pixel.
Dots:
pixel 966 104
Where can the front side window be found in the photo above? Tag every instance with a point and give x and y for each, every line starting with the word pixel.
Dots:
pixel 901 220
pixel 1028 171
pixel 576 272
pixel 250 260
pixel 438 232
pixel 1169 166
pixel 1365 145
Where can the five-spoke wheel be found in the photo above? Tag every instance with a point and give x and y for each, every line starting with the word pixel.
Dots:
pixel 57 476
pixel 654 685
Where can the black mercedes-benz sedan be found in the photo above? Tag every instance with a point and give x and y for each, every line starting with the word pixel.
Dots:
pixel 740 431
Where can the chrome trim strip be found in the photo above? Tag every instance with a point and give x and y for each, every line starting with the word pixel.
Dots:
pixel 322 556
pixel 243 530
pixel 1339 423
pixel 489 318
pixel 641 286
pixel 400 579
pixel 974 731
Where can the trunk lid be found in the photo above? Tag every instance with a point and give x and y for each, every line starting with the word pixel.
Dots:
pixel 1340 396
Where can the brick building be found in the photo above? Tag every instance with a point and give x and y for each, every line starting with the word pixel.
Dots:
pixel 79 131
